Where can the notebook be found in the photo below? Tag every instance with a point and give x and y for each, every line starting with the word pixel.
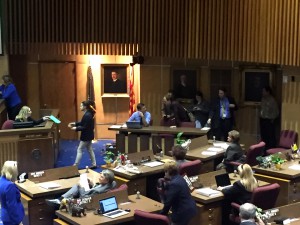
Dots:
pixel 54 119
pixel 109 208
pixel 134 125
pixel 223 180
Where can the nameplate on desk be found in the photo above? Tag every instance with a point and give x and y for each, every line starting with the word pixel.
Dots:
pixel 208 192
pixel 37 174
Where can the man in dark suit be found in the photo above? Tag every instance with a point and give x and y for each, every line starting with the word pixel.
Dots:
pixel 221 116
pixel 115 85
pixel 248 215
pixel 177 196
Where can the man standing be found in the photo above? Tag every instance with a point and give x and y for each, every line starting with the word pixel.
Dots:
pixel 141 115
pixel 221 116
pixel 268 113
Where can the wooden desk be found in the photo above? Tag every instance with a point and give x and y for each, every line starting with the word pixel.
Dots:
pixel 33 148
pixel 134 140
pixel 143 203
pixel 288 179
pixel 33 196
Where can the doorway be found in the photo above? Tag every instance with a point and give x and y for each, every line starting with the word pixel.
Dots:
pixel 58 91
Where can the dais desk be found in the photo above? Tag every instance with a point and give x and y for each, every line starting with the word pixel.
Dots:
pixel 132 140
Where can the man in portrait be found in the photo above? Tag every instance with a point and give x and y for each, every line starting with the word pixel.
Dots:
pixel 114 84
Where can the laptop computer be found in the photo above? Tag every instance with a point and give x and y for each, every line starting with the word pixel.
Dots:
pixel 134 125
pixel 223 180
pixel 109 208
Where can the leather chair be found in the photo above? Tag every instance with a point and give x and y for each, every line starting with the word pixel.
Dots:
pixel 8 124
pixel 263 197
pixel 146 218
pixel 188 124
pixel 121 188
pixel 253 152
pixel 191 168
pixel 287 139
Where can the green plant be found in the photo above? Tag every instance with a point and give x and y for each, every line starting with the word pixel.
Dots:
pixel 109 156
pixel 276 159
pixel 178 139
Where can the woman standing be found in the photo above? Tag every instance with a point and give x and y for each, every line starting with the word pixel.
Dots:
pixel 86 126
pixel 12 210
pixel 10 94
pixel 201 110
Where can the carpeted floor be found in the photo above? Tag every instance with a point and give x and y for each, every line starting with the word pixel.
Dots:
pixel 67 155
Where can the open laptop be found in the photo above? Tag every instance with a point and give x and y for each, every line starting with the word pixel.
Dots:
pixel 223 180
pixel 134 125
pixel 109 208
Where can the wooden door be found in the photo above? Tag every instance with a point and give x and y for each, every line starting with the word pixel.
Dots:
pixel 58 90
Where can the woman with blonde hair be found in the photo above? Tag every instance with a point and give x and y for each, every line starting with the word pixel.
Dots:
pixel 241 191
pixel 25 116
pixel 12 210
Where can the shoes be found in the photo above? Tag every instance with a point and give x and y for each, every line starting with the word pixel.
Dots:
pixel 93 167
pixel 54 203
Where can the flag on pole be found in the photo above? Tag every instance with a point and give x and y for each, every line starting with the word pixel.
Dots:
pixel 131 91
pixel 90 92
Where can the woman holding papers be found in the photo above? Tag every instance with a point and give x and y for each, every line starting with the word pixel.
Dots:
pixel 177 196
pixel 233 152
pixel 25 116
pixel 86 126
pixel 12 210
pixel 241 191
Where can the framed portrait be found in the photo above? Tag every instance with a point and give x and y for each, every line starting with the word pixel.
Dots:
pixel 189 78
pixel 254 80
pixel 115 80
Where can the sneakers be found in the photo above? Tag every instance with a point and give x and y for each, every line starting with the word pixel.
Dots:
pixel 54 203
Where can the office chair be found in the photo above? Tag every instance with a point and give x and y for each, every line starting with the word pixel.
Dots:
pixel 8 124
pixel 191 168
pixel 253 152
pixel 146 218
pixel 263 197
pixel 287 139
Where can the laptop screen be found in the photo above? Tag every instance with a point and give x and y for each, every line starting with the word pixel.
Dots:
pixel 108 204
pixel 222 180
pixel 134 124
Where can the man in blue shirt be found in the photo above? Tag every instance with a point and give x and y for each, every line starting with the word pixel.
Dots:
pixel 141 115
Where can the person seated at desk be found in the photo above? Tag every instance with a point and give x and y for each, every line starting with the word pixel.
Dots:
pixel 25 116
pixel 141 115
pixel 106 183
pixel 178 196
pixel 12 210
pixel 233 153
pixel 178 153
pixel 248 215
pixel 240 192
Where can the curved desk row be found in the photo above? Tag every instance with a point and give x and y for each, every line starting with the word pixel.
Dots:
pixel 33 148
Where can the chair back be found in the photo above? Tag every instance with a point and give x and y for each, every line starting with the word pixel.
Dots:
pixel 8 124
pixel 146 218
pixel 255 151
pixel 265 197
pixel 191 168
pixel 188 124
pixel 121 188
pixel 287 138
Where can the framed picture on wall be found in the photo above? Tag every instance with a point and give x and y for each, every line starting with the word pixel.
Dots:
pixel 115 80
pixel 254 80
pixel 184 83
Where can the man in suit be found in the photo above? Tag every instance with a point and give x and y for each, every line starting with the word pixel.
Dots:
pixel 248 215
pixel 221 115
pixel 115 85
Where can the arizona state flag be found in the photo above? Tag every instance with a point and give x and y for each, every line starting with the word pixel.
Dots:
pixel 131 91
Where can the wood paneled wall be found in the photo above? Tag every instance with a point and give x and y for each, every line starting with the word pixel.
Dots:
pixel 265 31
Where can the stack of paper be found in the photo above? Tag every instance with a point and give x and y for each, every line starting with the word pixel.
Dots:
pixel 153 164
pixel 208 153
pixel 49 185
pixel 208 192
pixel 215 149
pixel 223 145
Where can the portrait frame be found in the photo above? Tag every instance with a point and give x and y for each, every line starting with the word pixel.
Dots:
pixel 254 80
pixel 109 89
pixel 191 75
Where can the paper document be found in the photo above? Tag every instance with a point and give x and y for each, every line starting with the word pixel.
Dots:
pixel 205 128
pixel 49 185
pixel 294 167
pixel 208 153
pixel 221 145
pixel 115 126
pixel 153 164
pixel 215 149
pixel 208 192
pixel 84 182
